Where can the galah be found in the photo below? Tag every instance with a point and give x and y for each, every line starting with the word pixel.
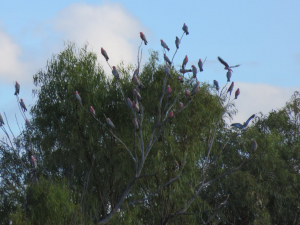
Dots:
pixel 143 37
pixel 110 123
pixel 195 88
pixel 115 73
pixel 129 103
pixel 216 85
pixel 187 94
pixel 138 82
pixel 185 29
pixel 167 59
pixel 17 88
pixel 200 64
pixel 22 104
pixel 195 71
pixel 230 88
pixel 227 67
pixel 33 162
pixel 185 61
pixel 103 52
pixel 28 124
pixel 242 126
pixel 92 111
pixel 167 71
pixel 170 115
pixel 177 42
pixel 137 94
pixel 1 120
pixel 135 106
pixel 237 92
pixel 183 71
pixel 169 91
pixel 180 105
pixel 228 75
pixel 164 45
pixel 135 74
pixel 136 124
pixel 78 97
pixel 254 146
pixel 180 78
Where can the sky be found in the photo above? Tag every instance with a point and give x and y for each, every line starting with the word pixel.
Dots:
pixel 262 36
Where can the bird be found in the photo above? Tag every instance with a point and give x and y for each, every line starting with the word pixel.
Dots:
pixel 254 146
pixel 138 82
pixel 136 124
pixel 22 104
pixel 200 64
pixel 129 103
pixel 169 91
pixel 185 61
pixel 185 29
pixel 92 111
pixel 237 92
pixel 180 78
pixel 28 124
pixel 167 71
pixel 103 52
pixel 195 88
pixel 1 120
pixel 17 88
pixel 110 123
pixel 33 162
pixel 135 106
pixel 187 94
pixel 78 97
pixel 170 115
pixel 143 37
pixel 135 73
pixel 137 94
pixel 228 75
pixel 227 67
pixel 115 73
pixel 183 71
pixel 180 105
pixel 164 45
pixel 216 84
pixel 167 59
pixel 194 69
pixel 230 88
pixel 242 126
pixel 177 42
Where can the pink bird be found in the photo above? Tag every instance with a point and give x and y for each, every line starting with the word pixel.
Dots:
pixel 254 146
pixel 170 115
pixel 115 73
pixel 180 78
pixel 110 123
pixel 143 37
pixel 166 58
pixel 230 88
pixel 129 103
pixel 103 52
pixel 137 95
pixel 185 61
pixel 78 97
pixel 33 162
pixel 92 111
pixel 28 124
pixel 138 82
pixel 135 106
pixel 17 88
pixel 187 94
pixel 216 84
pixel 180 105
pixel 194 69
pixel 169 91
pixel 183 71
pixel 185 29
pixel 228 75
pixel 167 71
pixel 136 124
pixel 200 64
pixel 22 104
pixel 177 42
pixel 164 45
pixel 195 88
pixel 237 92
pixel 227 67
pixel 135 74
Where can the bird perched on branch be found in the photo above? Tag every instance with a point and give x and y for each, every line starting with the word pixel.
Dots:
pixel 167 71
pixel 1 120
pixel 138 82
pixel 110 123
pixel 177 42
pixel 242 126
pixel 185 29
pixel 185 61
pixel 135 106
pixel 254 146
pixel 137 94
pixel 103 52
pixel 33 162
pixel 216 84
pixel 143 37
pixel 78 97
pixel 115 73
pixel 28 124
pixel 22 104
pixel 135 74
pixel 166 58
pixel 200 64
pixel 227 67
pixel 17 88
pixel 169 91
pixel 237 93
pixel 230 88
pixel 194 69
pixel 92 111
pixel 228 75
pixel 195 88
pixel 164 45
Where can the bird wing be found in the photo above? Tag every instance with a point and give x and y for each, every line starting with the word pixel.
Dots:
pixel 222 61
pixel 235 66
pixel 237 125
pixel 248 120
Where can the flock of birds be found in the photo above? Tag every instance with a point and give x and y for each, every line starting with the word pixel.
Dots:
pixel 134 105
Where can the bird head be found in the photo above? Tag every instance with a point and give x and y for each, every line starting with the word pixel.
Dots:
pixel 27 121
pixel 141 33
pixel 32 157
pixel 107 119
pixel 199 60
pixel 180 104
pixel 17 82
pixel 134 91
pixel 161 40
pixel 21 100
pixel 114 67
pixel 101 49
pixel 75 93
pixel 171 114
pixel 133 104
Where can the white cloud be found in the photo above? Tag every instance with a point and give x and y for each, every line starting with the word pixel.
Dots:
pixel 109 26
pixel 260 97
pixel 11 67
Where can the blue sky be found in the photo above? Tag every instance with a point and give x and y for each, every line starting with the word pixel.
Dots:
pixel 263 36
